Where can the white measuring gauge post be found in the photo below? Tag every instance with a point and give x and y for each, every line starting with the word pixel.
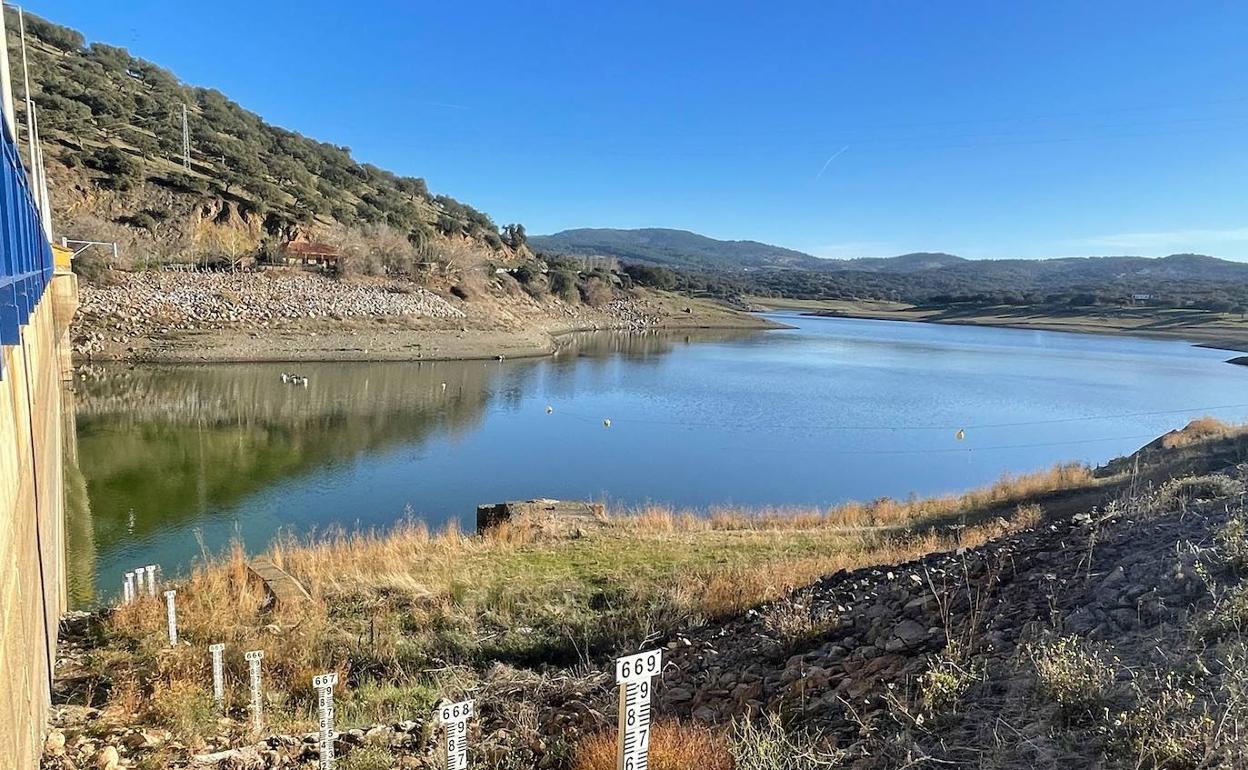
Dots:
pixel 218 675
pixel 253 659
pixel 454 717
pixel 634 675
pixel 150 571
pixel 324 685
pixel 171 610
pixel 127 587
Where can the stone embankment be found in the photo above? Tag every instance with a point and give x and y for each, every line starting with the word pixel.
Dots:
pixel 156 303
pixel 291 315
pixel 864 636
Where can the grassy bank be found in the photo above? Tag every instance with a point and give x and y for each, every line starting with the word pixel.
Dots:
pixel 408 615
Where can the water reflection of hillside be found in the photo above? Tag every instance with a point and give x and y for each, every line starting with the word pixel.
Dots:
pixel 160 445
pixel 163 450
pixel 657 343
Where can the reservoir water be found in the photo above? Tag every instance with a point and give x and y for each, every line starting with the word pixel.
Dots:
pixel 172 461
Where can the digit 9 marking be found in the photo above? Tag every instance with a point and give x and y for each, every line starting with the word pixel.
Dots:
pixel 454 717
pixel 633 674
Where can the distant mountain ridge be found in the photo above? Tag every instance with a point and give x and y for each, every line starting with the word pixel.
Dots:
pixel 903 263
pixel 684 250
pixel 679 249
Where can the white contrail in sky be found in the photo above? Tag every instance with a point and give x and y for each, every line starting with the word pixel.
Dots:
pixel 828 162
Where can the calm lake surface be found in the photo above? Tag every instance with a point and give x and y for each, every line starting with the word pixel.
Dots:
pixel 836 409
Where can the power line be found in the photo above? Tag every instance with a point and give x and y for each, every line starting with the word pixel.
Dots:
pixel 946 427
pixel 946 450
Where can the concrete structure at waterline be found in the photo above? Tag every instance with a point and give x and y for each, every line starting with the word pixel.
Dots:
pixel 557 517
pixel 38 297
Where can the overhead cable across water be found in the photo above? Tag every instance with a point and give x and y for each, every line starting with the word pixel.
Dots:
pixel 616 420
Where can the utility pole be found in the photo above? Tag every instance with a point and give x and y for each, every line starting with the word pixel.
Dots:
pixel 6 80
pixel 186 141
pixel 30 111
pixel 39 184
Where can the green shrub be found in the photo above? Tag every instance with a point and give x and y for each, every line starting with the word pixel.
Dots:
pixel 1182 491
pixel 1167 727
pixel 1073 673
pixel 1232 540
pixel 379 701
pixel 185 709
pixel 949 675
pixel 563 285
pixel 1230 612
pixel 122 170
pixel 367 758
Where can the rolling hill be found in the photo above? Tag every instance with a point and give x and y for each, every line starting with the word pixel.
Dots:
pixel 935 272
pixel 112 129
pixel 672 248
pixel 730 268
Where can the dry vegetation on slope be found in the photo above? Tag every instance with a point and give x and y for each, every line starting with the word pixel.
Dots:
pixel 1022 641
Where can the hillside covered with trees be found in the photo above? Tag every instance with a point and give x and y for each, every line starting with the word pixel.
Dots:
pixel 112 129
pixel 1176 281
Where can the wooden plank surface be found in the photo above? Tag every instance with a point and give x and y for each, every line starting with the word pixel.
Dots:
pixel 281 584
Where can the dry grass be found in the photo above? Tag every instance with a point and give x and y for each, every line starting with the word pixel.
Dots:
pixel 1007 491
pixel 390 607
pixel 218 604
pixel 1074 673
pixel 673 746
pixel 1200 430
pixel 1180 492
pixel 767 744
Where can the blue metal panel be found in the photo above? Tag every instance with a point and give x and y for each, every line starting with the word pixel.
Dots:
pixel 25 251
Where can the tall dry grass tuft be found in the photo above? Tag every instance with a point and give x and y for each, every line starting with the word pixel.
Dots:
pixel 673 746
pixel 884 512
pixel 731 590
pixel 1199 430
pixel 218 604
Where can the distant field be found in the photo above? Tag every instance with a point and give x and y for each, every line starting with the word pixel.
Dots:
pixel 1219 330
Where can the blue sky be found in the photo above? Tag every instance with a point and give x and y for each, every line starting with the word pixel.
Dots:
pixel 987 129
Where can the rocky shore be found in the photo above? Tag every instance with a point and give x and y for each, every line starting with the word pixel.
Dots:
pixel 290 315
